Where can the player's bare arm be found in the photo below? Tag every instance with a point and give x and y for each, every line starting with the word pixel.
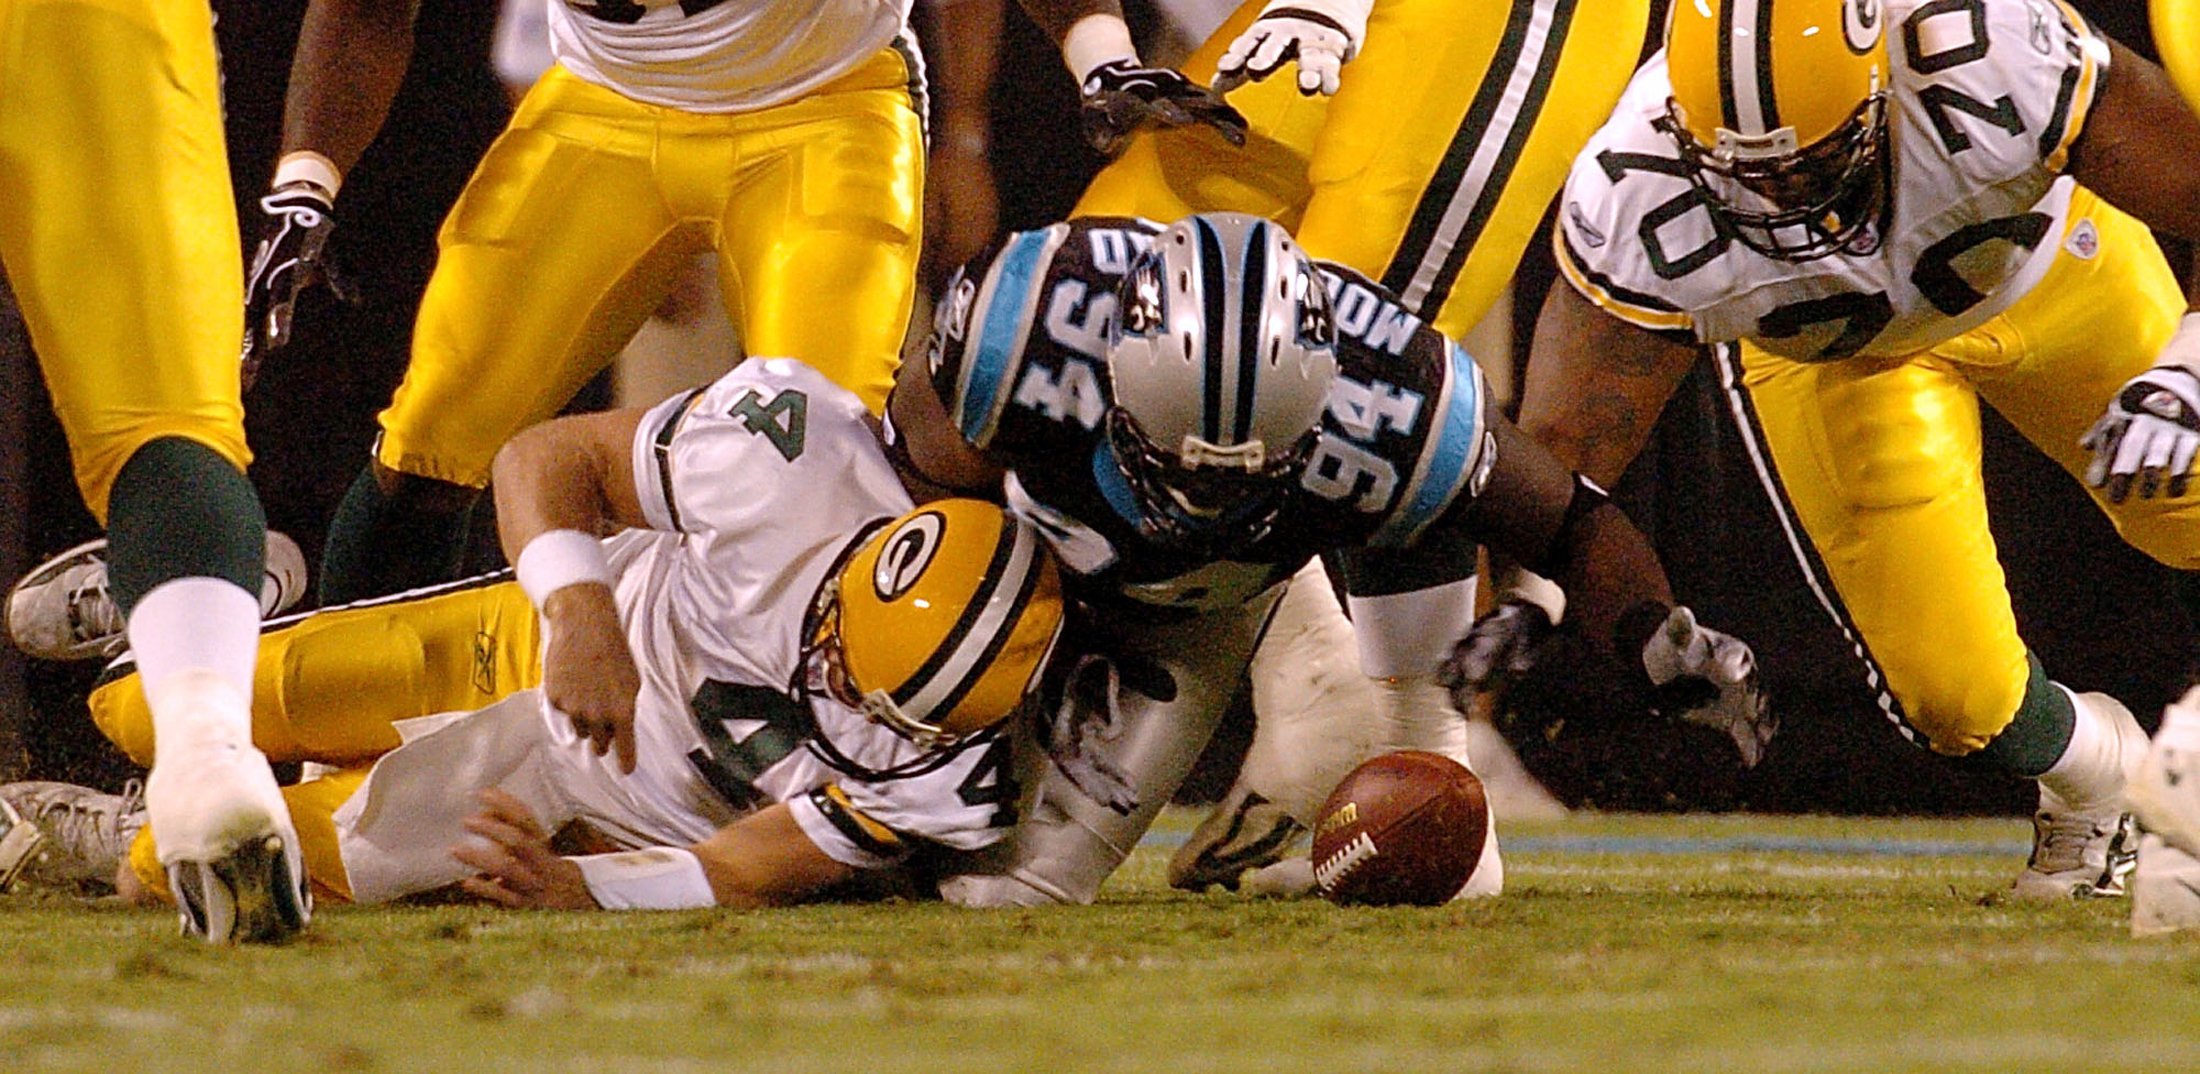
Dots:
pixel 2137 151
pixel 763 859
pixel 933 458
pixel 559 486
pixel 2141 146
pixel 1596 384
pixel 351 58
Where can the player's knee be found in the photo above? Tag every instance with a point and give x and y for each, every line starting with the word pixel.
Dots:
pixel 119 711
pixel 1956 707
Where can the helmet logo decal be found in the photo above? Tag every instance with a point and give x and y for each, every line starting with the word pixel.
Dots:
pixel 1860 26
pixel 905 553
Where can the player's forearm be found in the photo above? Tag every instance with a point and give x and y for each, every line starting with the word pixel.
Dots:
pixel 765 859
pixel 969 42
pixel 1595 385
pixel 1090 32
pixel 351 59
pixel 566 474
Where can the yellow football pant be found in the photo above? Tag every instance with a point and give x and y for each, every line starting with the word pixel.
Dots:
pixel 1431 167
pixel 579 219
pixel 329 685
pixel 2176 25
pixel 117 230
pixel 1879 463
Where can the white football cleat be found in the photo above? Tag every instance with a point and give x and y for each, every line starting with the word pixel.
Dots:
pixel 83 833
pixel 223 830
pixel 2165 891
pixel 2077 854
pixel 2165 800
pixel 2165 792
pixel 63 610
pixel 20 841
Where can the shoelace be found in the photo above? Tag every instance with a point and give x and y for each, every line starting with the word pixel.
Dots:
pixel 87 818
pixel 93 612
pixel 2063 839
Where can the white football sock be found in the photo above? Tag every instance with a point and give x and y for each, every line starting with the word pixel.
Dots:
pixel 2092 769
pixel 204 625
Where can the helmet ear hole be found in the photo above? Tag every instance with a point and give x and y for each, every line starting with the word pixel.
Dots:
pixel 943 619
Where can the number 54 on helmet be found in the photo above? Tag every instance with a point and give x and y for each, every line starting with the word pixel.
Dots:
pixel 939 623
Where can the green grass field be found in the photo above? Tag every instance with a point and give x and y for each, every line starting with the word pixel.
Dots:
pixel 1624 944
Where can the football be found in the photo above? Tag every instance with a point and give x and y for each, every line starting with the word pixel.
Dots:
pixel 1402 829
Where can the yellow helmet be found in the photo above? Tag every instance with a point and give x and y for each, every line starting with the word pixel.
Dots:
pixel 1780 109
pixel 938 624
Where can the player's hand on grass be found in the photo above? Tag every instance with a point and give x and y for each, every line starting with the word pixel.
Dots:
pixel 516 865
pixel 295 224
pixel 1709 678
pixel 588 673
pixel 1320 34
pixel 1121 96
pixel 2149 436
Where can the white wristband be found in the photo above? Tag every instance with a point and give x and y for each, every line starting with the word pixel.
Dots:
pixel 658 878
pixel 555 559
pixel 1094 40
pixel 2183 349
pixel 307 166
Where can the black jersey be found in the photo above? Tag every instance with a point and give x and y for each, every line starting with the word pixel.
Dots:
pixel 1019 361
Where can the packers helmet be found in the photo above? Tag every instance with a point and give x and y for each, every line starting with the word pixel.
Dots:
pixel 1220 362
pixel 1779 108
pixel 939 622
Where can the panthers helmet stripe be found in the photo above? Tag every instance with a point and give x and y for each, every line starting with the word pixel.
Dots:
pixel 1252 301
pixel 1449 457
pixel 984 626
pixel 1006 305
pixel 1218 379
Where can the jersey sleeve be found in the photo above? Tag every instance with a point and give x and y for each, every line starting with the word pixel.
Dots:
pixel 967 802
pixel 2005 86
pixel 724 461
pixel 1018 344
pixel 1616 241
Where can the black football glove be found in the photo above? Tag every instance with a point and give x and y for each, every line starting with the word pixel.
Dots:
pixel 1121 97
pixel 292 256
pixel 1500 648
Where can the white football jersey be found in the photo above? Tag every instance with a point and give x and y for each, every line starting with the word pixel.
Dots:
pixel 1986 97
pixel 720 55
pixel 754 486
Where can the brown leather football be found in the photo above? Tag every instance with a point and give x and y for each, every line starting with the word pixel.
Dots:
pixel 1403 829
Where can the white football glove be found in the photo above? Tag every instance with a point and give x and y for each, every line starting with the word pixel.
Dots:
pixel 2150 432
pixel 1709 678
pixel 1320 34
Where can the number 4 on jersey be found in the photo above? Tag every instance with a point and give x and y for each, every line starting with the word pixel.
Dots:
pixel 782 421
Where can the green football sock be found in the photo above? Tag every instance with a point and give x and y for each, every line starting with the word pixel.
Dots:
pixel 2036 738
pixel 380 543
pixel 181 510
